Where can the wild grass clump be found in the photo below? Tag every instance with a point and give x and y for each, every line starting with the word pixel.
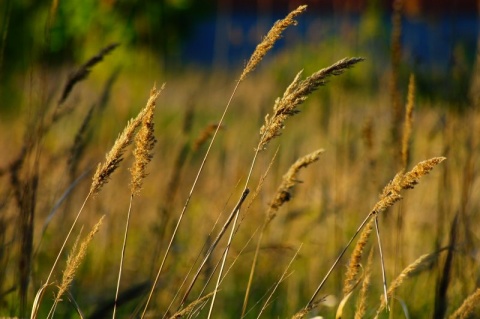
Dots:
pixel 221 224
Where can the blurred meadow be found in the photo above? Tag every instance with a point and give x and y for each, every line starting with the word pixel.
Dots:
pixel 72 75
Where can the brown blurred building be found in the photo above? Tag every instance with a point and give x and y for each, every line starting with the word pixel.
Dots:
pixel 410 7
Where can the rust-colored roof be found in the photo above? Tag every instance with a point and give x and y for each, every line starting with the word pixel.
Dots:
pixel 411 7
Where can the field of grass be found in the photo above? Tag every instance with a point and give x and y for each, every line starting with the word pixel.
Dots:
pixel 217 194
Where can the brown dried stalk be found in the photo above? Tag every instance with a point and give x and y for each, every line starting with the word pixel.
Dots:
pixel 296 93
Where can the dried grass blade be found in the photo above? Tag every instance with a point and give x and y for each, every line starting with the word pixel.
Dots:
pixel 84 70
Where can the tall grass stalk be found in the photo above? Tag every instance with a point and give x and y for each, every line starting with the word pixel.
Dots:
pixel 389 196
pixel 282 195
pixel 73 262
pixel 100 178
pixel 144 142
pixel 261 50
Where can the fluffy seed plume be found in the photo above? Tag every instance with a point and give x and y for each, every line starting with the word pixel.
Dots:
pixel 289 181
pixel 412 178
pixel 296 93
pixel 354 264
pixel 75 259
pixel 115 156
pixel 391 193
pixel 468 306
pixel 272 36
pixel 144 143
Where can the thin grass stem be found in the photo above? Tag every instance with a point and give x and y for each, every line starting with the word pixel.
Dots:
pixel 124 246
pixel 382 261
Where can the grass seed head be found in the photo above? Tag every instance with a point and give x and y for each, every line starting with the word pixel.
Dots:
pixel 272 36
pixel 144 143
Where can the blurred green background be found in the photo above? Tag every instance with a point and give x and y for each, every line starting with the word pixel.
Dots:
pixel 438 39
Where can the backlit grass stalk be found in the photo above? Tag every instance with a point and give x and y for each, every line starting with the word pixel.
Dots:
pixel 215 243
pixel 73 262
pixel 286 106
pixel 144 144
pixel 389 196
pixel 268 42
pixel 296 93
pixel 282 195
pixel 273 35
pixel 100 178
pixel 236 213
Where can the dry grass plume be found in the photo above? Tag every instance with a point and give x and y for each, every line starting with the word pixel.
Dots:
pixel 296 93
pixel 75 259
pixel 144 143
pixel 115 156
pixel 272 36
pixel 467 307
